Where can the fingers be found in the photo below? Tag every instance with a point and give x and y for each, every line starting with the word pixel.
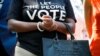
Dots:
pixel 48 23
pixel 49 27
pixel 46 18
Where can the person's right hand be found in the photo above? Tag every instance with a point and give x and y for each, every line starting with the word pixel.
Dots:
pixel 48 23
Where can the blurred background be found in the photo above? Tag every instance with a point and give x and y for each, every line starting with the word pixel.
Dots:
pixel 80 30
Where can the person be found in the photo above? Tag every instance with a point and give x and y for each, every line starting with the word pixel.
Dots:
pixel 2 50
pixel 34 19
pixel 7 38
pixel 80 31
pixel 92 15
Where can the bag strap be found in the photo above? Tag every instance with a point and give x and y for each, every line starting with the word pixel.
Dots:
pixel 69 31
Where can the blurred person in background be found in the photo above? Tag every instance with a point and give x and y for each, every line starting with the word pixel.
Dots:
pixel 92 17
pixel 80 29
pixel 7 38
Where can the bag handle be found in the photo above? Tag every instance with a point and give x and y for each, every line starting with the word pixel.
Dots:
pixel 69 31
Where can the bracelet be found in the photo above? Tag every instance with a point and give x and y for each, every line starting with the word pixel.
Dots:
pixel 38 27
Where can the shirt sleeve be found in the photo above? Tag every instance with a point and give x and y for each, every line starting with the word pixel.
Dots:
pixel 69 10
pixel 15 11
